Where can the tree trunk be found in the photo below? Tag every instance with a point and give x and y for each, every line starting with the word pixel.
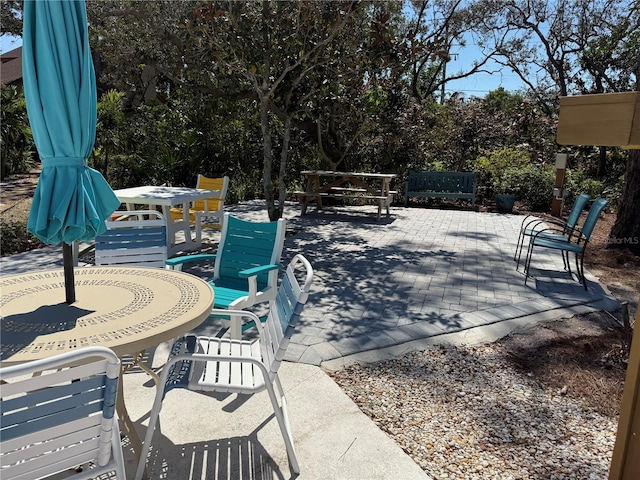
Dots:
pixel 602 163
pixel 284 155
pixel 267 152
pixel 625 233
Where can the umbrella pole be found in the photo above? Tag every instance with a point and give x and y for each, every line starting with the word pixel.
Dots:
pixel 69 280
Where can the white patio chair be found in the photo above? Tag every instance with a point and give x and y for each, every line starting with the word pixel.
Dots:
pixel 58 413
pixel 134 238
pixel 239 366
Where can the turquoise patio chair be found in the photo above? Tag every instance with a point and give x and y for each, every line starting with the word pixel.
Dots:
pixel 532 225
pixel 57 414
pixel 246 265
pixel 214 364
pixel 576 243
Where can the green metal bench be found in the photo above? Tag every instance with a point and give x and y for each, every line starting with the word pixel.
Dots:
pixel 441 185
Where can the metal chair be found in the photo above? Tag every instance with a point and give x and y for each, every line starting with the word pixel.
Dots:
pixel 532 225
pixel 216 364
pixel 58 413
pixel 245 271
pixel 575 243
pixel 133 238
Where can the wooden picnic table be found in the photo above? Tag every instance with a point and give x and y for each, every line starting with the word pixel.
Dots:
pixel 347 185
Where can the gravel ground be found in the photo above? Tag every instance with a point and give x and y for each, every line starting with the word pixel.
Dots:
pixel 467 413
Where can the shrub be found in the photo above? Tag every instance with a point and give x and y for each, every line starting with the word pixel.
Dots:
pixel 15 238
pixel 532 185
pixel 495 167
pixel 577 182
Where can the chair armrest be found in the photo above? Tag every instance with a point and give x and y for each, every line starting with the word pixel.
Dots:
pixel 172 263
pixel 573 235
pixel 252 272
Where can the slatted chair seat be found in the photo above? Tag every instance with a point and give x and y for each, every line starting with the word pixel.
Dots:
pixel 135 238
pixel 246 265
pixel 59 413
pixel 240 366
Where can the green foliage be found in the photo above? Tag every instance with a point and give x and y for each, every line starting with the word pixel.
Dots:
pixel 577 181
pixel 16 139
pixel 15 238
pixel 501 101
pixel 531 184
pixel 496 169
pixel 110 134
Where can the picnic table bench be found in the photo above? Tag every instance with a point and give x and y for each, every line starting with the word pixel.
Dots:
pixel 441 185
pixel 323 184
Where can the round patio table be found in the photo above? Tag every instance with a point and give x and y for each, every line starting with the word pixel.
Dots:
pixel 127 309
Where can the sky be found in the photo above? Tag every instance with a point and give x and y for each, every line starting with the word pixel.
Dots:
pixel 8 43
pixel 480 84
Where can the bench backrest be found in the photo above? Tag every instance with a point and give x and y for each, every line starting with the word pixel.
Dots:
pixel 463 182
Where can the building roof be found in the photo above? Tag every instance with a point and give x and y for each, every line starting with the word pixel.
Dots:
pixel 11 66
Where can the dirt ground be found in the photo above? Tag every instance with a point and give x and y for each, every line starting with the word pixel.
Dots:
pixel 583 357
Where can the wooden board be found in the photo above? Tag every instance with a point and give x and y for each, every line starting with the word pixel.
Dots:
pixel 608 119
pixel 625 462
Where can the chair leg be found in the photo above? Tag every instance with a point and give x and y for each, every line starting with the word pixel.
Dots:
pixel 527 260
pixel 581 271
pixel 519 251
pixel 116 448
pixel 280 411
pixel 153 419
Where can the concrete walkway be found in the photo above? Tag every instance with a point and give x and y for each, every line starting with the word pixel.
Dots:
pixel 381 289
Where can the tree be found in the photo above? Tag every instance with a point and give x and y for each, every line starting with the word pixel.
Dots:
pixel 545 40
pixel 608 63
pixel 294 39
pixel 11 17
pixel 136 48
pixel 433 28
pixel 626 231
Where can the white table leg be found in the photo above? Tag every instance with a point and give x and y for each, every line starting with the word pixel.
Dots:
pixel 235 330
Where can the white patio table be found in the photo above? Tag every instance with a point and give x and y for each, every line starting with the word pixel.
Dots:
pixel 168 197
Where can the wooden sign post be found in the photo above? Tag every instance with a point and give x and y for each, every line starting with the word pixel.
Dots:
pixel 558 191
pixel 625 463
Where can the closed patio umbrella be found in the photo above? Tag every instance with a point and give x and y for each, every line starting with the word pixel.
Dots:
pixel 71 200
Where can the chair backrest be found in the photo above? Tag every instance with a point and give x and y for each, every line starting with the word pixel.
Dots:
pixel 136 238
pixel 213 204
pixel 592 217
pixel 576 211
pixel 285 310
pixel 244 245
pixel 60 418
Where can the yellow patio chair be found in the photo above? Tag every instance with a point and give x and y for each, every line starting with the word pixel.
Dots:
pixel 206 213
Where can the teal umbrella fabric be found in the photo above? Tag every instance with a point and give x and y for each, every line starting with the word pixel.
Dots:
pixel 71 200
